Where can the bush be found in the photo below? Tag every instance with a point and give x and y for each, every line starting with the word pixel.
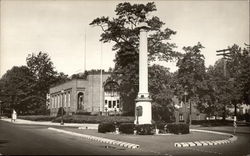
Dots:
pixel 145 129
pixel 161 126
pixel 183 128
pixel 106 127
pixel 207 123
pixel 178 128
pixel 94 119
pixel 127 128
pixel 80 112
pixel 36 117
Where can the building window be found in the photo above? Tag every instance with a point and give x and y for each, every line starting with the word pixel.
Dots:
pixel 53 101
pixel 106 102
pixel 65 100
pixel 114 104
pixel 69 99
pixel 58 101
pixel 181 117
pixel 110 104
pixel 56 104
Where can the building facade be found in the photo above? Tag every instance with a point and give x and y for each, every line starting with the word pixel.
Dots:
pixel 182 111
pixel 80 95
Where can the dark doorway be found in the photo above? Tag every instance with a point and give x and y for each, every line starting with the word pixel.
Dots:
pixel 80 99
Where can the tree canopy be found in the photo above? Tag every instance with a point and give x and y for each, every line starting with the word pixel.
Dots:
pixel 25 88
pixel 123 30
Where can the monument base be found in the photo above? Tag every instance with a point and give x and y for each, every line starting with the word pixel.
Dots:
pixel 143 111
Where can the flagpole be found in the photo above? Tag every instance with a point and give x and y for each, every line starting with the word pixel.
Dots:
pixel 85 48
pixel 101 87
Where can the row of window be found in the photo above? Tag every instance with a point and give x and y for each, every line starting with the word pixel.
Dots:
pixel 112 103
pixel 61 99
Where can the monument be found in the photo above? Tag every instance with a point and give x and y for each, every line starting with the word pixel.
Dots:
pixel 143 111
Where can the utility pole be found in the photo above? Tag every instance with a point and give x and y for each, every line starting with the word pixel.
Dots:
pixel 226 55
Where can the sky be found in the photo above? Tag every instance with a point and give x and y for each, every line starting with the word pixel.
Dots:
pixel 61 29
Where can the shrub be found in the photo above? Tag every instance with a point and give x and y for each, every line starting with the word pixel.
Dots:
pixel 161 126
pixel 178 128
pixel 94 119
pixel 36 117
pixel 207 123
pixel 80 112
pixel 145 129
pixel 127 128
pixel 183 128
pixel 106 127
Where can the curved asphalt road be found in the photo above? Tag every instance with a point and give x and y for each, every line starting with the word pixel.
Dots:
pixel 38 140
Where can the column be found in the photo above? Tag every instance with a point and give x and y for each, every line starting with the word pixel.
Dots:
pixel 143 110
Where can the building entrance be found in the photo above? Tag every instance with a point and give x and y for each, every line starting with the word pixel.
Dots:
pixel 80 99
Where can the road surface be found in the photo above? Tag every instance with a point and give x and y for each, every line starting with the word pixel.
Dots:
pixel 38 140
pixel 18 139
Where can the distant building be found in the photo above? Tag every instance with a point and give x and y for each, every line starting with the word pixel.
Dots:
pixel 182 111
pixel 88 95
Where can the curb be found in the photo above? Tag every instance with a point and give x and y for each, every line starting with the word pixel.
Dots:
pixel 99 139
pixel 207 142
pixel 87 127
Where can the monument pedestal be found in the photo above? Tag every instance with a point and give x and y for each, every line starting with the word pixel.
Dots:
pixel 143 111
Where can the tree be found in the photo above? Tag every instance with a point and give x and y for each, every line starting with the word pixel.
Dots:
pixel 161 89
pixel 16 85
pixel 123 30
pixel 220 90
pixel 239 73
pixel 191 74
pixel 42 68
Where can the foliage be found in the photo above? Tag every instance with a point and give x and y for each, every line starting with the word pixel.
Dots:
pixel 162 126
pixel 127 128
pixel 178 128
pixel 106 127
pixel 145 129
pixel 208 123
pixel 191 77
pixel 229 87
pixel 17 89
pixel 161 89
pixel 94 119
pixel 191 72
pixel 24 88
pixel 239 73
pixel 36 117
pixel 123 30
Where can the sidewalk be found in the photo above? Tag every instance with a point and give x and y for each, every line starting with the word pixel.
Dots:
pixel 49 123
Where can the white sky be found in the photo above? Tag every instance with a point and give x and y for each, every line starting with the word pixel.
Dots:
pixel 57 27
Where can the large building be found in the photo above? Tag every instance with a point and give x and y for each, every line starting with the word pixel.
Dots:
pixel 94 95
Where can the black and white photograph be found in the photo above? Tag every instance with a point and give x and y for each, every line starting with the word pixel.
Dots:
pixel 115 77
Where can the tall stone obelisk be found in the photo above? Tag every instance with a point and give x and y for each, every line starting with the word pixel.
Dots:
pixel 143 110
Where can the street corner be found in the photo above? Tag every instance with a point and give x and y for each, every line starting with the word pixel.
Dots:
pixel 231 139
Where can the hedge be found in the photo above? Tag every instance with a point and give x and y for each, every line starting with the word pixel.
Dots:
pixel 37 117
pixel 106 127
pixel 127 128
pixel 178 128
pixel 207 123
pixel 94 119
pixel 145 129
